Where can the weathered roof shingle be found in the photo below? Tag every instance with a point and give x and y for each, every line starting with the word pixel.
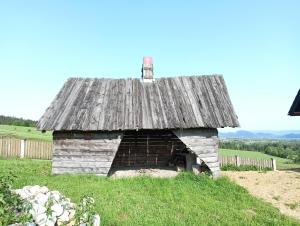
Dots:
pixel 129 104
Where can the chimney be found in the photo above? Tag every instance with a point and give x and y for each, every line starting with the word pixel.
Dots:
pixel 147 68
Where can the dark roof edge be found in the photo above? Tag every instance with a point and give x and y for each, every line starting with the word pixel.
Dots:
pixel 138 77
pixel 124 130
pixel 296 103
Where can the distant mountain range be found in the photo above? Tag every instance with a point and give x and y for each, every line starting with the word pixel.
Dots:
pixel 288 134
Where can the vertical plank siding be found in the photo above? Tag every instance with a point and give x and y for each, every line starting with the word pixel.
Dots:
pixel 38 149
pixel 243 161
pixel 11 147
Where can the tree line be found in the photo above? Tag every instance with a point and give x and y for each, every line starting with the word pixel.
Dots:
pixel 7 120
pixel 289 149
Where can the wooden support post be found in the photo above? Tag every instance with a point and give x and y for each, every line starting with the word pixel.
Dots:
pixel 22 149
pixel 196 169
pixel 190 161
pixel 237 160
pixel 273 164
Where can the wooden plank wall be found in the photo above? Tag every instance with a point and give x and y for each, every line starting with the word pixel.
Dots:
pixel 147 148
pixel 204 143
pixel 84 152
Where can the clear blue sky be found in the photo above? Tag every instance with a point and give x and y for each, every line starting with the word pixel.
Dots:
pixel 254 44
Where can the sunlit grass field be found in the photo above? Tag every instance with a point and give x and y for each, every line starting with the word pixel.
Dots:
pixel 185 200
pixel 24 133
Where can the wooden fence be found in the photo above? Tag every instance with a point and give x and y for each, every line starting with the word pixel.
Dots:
pixel 242 161
pixel 11 147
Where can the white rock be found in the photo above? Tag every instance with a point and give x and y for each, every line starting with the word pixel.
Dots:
pixel 24 224
pixel 21 193
pixel 38 209
pixel 51 220
pixel 34 189
pixel 96 220
pixel 62 209
pixel 72 205
pixel 17 191
pixel 44 189
pixel 41 198
pixel 57 209
pixel 41 219
pixel 71 223
pixel 64 217
pixel 71 214
pixel 29 195
pixel 28 187
pixel 55 195
pixel 33 213
pixel 30 224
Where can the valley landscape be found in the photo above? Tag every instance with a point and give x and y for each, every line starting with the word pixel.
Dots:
pixel 155 113
pixel 38 172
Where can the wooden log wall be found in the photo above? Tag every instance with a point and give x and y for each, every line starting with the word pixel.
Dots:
pixel 204 143
pixel 84 152
pixel 97 152
pixel 147 148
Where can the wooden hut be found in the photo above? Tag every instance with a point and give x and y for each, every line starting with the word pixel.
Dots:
pixel 102 123
pixel 295 108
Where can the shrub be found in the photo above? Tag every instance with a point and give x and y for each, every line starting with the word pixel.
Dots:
pixel 85 211
pixel 12 208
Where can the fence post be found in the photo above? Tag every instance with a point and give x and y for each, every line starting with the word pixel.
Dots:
pixel 237 160
pixel 273 164
pixel 22 150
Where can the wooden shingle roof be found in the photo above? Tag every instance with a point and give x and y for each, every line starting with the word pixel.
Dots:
pixel 91 104
pixel 295 108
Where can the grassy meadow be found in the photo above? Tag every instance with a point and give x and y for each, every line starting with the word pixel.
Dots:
pixel 184 200
pixel 282 163
pixel 23 132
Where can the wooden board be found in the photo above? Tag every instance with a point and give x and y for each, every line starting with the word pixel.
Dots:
pixel 78 152
pixel 129 104
pixel 204 143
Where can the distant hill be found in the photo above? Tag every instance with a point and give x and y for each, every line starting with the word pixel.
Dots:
pixel 8 120
pixel 292 136
pixel 261 134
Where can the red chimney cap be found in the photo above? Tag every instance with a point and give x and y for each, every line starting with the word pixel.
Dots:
pixel 147 60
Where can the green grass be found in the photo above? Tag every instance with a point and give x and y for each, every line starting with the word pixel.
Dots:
pixel 184 200
pixel 281 162
pixel 24 133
